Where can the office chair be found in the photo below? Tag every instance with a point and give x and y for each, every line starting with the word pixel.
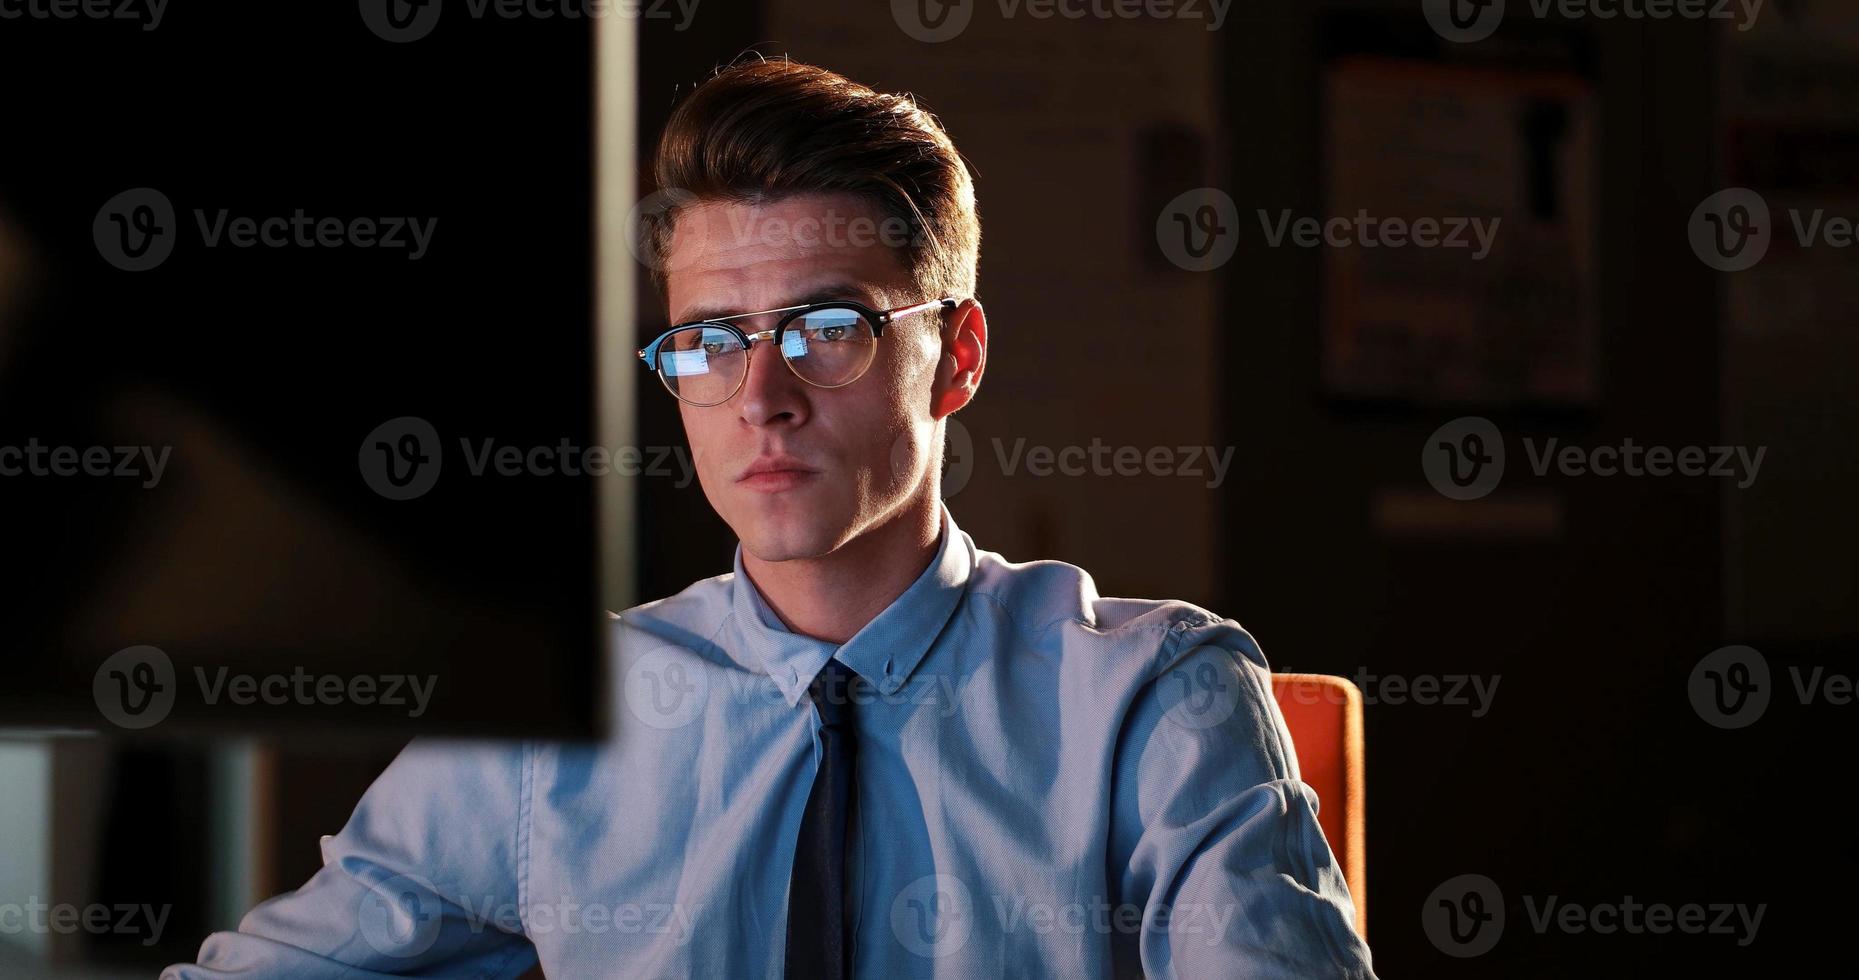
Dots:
pixel 1324 715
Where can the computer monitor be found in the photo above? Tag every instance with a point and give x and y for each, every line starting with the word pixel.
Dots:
pixel 300 372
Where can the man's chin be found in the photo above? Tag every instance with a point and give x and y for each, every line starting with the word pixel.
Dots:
pixel 787 537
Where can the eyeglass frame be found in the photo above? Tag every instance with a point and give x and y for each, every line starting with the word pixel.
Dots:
pixel 876 319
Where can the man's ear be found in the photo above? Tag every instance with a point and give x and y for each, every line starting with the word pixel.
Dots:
pixel 964 358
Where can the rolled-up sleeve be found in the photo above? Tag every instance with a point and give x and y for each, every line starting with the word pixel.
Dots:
pixel 1214 835
pixel 424 880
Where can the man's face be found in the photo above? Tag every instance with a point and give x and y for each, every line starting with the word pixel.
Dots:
pixel 865 447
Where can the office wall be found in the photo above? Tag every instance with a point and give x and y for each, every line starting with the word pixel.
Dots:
pixel 1092 340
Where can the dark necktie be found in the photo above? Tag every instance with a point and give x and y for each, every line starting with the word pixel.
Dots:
pixel 819 936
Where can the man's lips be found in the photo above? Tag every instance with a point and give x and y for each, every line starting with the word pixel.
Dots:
pixel 776 473
pixel 775 480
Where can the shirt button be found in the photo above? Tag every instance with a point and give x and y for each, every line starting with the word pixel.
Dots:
pixel 890 685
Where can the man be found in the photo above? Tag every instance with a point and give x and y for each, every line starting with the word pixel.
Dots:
pixel 874 749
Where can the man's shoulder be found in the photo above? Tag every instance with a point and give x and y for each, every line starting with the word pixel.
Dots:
pixel 1046 593
pixel 700 607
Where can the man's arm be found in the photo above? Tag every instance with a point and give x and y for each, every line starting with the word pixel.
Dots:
pixel 424 879
pixel 1212 832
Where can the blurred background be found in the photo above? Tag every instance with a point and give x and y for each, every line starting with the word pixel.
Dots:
pixel 1496 357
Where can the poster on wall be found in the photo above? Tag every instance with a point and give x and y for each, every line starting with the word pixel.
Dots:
pixel 1779 229
pixel 1460 266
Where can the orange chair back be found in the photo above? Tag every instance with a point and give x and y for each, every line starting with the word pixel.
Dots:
pixel 1324 715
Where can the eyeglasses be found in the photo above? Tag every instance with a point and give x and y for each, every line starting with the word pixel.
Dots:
pixel 827 345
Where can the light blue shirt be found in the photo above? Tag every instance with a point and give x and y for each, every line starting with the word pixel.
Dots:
pixel 1051 783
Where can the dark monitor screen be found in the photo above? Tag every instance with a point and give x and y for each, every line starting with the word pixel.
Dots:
pixel 295 340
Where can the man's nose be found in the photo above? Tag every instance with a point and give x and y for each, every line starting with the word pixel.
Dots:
pixel 771 393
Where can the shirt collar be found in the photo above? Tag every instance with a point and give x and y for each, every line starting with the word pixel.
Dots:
pixel 887 650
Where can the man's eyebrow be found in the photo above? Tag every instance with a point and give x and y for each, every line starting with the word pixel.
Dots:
pixel 848 290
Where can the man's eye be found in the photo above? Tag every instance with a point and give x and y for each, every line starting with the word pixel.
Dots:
pixel 713 348
pixel 832 333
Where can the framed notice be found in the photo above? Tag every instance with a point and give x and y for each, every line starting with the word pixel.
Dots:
pixel 1459 266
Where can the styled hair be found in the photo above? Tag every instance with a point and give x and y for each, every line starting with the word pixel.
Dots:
pixel 761 130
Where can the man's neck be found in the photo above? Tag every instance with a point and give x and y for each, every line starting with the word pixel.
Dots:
pixel 832 597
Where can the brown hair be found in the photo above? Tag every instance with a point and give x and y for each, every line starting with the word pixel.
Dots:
pixel 764 129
